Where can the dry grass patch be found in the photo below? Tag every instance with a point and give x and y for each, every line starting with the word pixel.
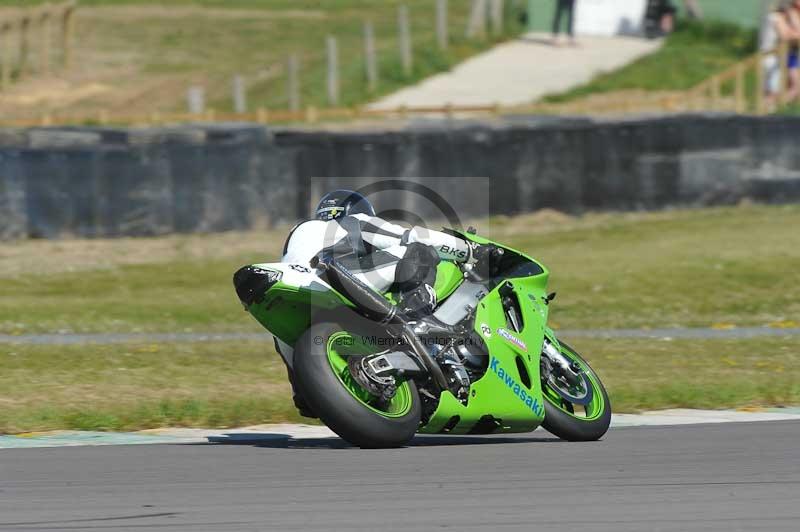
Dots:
pixel 139 57
pixel 48 257
pixel 129 387
pixel 121 387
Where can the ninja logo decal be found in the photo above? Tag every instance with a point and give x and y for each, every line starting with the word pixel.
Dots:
pixel 515 387
pixel 300 269
pixel 513 339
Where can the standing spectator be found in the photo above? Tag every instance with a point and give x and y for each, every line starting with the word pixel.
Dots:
pixel 666 16
pixel 793 66
pixel 564 7
pixel 659 18
pixel 775 29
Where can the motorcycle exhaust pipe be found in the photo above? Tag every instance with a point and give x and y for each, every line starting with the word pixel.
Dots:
pixel 375 307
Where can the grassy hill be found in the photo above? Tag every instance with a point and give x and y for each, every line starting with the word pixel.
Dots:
pixel 141 56
pixel 693 53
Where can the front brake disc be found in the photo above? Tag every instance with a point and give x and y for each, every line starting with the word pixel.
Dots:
pixel 582 398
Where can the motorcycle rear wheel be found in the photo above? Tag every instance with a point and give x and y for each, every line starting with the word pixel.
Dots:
pixel 323 376
pixel 561 419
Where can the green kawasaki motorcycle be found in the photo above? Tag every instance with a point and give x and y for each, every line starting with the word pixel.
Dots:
pixel 486 363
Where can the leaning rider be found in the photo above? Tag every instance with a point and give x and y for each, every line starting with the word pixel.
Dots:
pixel 384 255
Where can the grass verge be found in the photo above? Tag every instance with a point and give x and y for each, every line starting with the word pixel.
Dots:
pixel 127 387
pixel 733 265
pixel 132 387
pixel 657 374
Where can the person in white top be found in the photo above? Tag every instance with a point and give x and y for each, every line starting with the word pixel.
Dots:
pixel 775 28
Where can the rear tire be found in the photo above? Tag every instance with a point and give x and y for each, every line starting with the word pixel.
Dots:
pixel 336 405
pixel 568 426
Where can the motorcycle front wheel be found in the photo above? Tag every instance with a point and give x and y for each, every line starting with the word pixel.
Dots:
pixel 571 421
pixel 325 381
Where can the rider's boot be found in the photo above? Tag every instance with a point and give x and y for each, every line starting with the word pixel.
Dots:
pixel 416 307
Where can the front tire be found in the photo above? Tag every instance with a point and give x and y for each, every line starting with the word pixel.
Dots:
pixel 325 382
pixel 560 418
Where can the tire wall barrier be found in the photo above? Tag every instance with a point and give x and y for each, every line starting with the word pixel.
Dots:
pixel 99 182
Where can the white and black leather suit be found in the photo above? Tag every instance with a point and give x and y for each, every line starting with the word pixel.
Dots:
pixel 384 255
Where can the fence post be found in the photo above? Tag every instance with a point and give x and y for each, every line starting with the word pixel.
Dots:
pixel 239 95
pixel 67 30
pixel 441 24
pixel 476 27
pixel 740 102
pixel 404 27
pixel 196 100
pixel 311 114
pixel 293 77
pixel 370 58
pixel 333 71
pixel 760 83
pixel 496 12
pixel 715 93
pixel 24 43
pixel 44 33
pixel 5 66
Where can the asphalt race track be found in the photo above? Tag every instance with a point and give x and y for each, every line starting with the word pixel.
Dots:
pixel 738 476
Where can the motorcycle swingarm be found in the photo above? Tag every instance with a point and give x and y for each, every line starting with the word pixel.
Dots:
pixel 396 363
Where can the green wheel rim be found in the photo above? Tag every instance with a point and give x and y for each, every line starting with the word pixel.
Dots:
pixel 595 408
pixel 343 344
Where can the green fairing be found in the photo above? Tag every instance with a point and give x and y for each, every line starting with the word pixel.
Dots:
pixel 448 277
pixel 286 311
pixel 491 394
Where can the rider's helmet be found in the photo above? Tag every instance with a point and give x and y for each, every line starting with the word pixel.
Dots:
pixel 341 203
